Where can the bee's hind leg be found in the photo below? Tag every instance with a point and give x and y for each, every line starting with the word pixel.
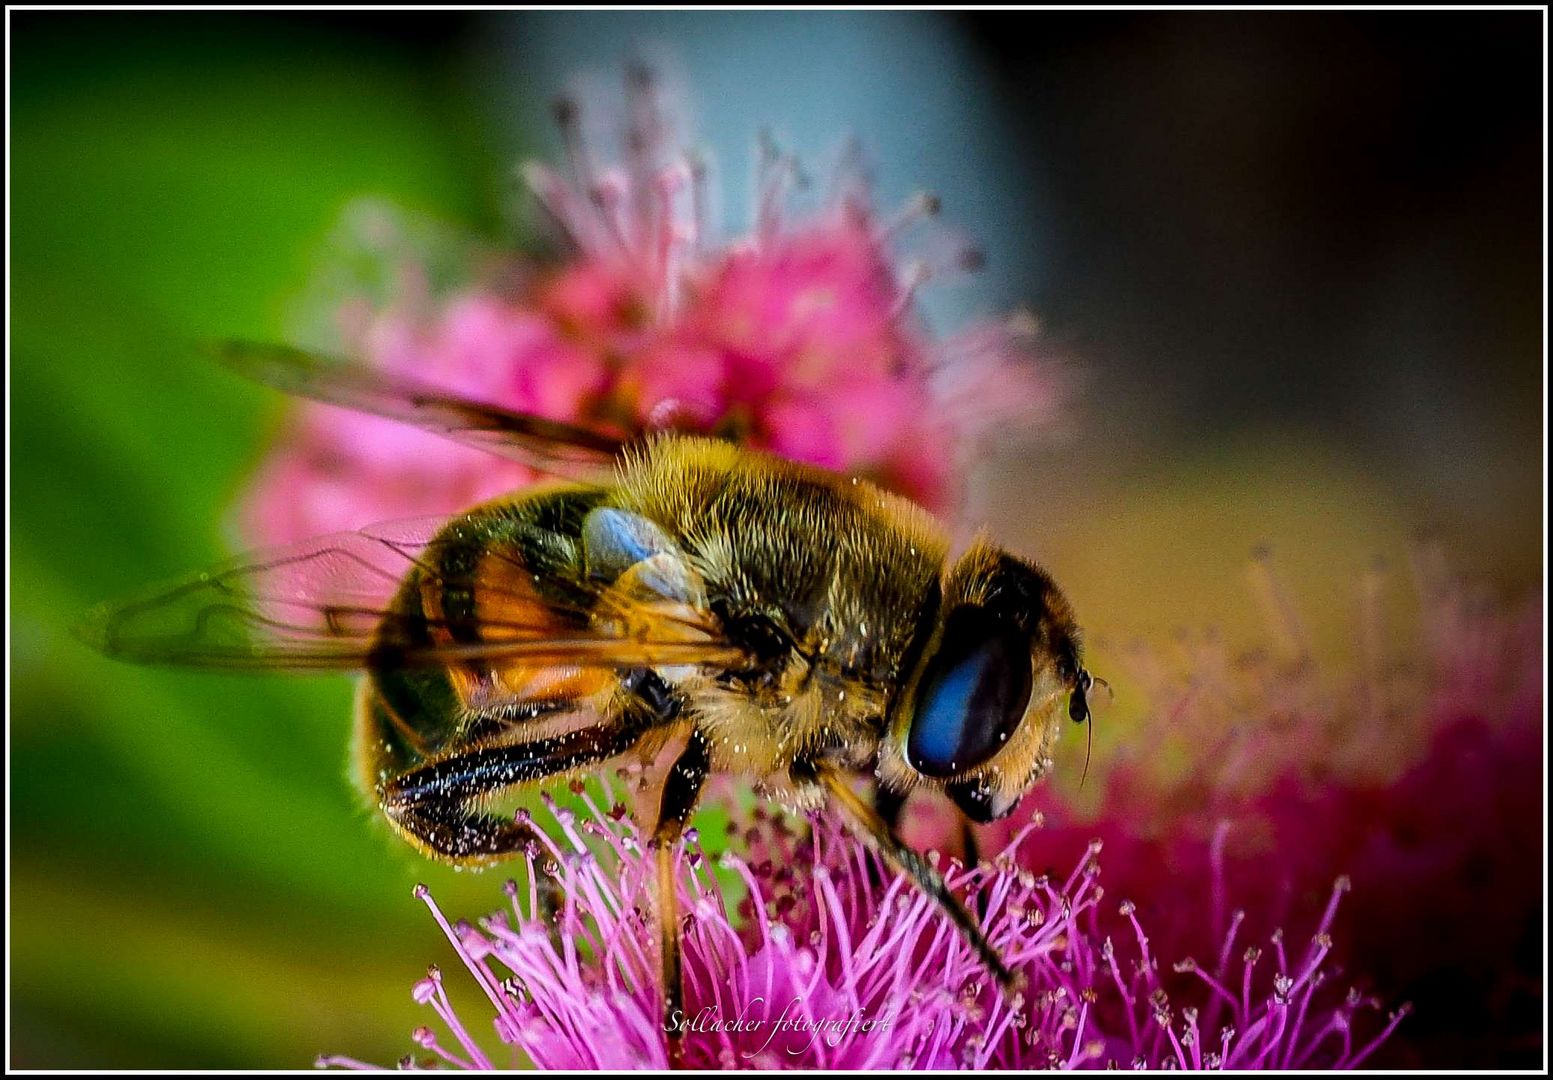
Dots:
pixel 680 793
pixel 435 805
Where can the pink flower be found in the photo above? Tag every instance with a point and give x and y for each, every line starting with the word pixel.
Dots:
pixel 829 961
pixel 799 338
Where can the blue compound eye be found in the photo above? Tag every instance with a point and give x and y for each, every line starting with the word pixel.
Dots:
pixel 972 695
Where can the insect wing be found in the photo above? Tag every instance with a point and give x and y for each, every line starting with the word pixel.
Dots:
pixel 337 603
pixel 548 445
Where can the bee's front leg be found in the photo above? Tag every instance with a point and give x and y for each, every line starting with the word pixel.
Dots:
pixel 878 832
pixel 888 804
pixel 680 793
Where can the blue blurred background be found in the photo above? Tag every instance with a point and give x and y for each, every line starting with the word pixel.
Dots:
pixel 1296 258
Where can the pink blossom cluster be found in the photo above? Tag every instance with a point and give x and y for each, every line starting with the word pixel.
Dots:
pixel 831 961
pixel 800 338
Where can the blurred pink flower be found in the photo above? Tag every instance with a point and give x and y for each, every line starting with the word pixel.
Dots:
pixel 799 338
pixel 830 962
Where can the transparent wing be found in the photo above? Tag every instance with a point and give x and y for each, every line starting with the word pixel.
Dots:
pixel 406 595
pixel 550 445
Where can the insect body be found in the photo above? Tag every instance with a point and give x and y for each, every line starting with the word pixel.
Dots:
pixel 780 622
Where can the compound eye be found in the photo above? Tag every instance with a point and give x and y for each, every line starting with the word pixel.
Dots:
pixel 972 696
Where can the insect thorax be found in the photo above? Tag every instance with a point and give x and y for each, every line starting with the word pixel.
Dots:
pixel 824 577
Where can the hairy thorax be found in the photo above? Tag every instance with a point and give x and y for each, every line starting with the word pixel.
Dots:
pixel 824 576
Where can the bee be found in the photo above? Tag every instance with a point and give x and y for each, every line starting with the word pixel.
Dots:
pixel 790 625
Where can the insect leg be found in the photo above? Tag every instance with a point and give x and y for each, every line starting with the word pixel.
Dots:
pixel 888 804
pixel 970 845
pixel 680 793
pixel 431 805
pixel 878 832
pixel 972 858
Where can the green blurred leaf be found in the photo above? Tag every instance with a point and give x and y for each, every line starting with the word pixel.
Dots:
pixel 173 179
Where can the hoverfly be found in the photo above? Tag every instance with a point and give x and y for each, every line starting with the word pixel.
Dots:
pixel 791 625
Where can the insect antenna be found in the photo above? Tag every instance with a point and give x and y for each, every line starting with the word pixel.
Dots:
pixel 1089 747
pixel 1089 722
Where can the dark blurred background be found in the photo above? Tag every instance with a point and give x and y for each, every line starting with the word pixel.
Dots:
pixel 1294 259
pixel 1325 225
